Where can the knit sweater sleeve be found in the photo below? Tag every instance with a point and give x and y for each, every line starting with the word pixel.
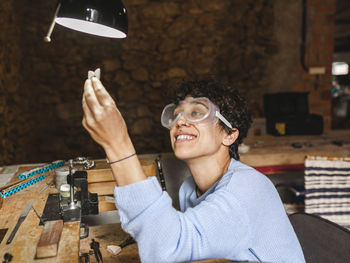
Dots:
pixel 211 229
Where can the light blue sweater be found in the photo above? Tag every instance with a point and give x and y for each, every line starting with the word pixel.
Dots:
pixel 241 217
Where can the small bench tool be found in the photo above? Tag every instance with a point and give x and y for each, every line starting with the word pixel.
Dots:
pixel 20 221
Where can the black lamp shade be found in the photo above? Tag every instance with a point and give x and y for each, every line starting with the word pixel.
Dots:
pixel 107 18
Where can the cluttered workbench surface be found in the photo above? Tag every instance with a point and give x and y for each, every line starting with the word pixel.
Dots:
pixel 24 244
pixel 24 201
pixel 64 239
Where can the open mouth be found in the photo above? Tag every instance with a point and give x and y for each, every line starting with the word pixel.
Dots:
pixel 185 137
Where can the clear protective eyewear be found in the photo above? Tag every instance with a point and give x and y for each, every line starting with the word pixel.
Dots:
pixel 194 110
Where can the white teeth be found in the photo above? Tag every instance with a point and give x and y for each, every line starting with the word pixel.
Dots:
pixel 184 137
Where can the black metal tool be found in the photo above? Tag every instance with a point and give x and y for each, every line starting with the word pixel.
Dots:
pixel 41 220
pixel 96 248
pixel 7 258
pixel 81 203
pixel 160 173
pixel 130 240
pixel 96 251
pixel 20 221
pixel 3 233
pixel 85 256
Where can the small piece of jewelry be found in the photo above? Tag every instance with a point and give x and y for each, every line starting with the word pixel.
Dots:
pixel 122 159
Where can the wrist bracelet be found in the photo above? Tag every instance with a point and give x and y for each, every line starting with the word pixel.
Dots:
pixel 122 159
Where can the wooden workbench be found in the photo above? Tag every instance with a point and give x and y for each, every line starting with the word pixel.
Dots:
pixel 268 150
pixel 23 246
pixel 264 151
pixel 113 235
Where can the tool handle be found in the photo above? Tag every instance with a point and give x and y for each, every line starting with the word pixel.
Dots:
pixel 86 230
pixel 160 174
pixel 130 240
pixel 14 231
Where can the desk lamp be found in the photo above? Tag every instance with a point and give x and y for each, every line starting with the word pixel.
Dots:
pixel 106 18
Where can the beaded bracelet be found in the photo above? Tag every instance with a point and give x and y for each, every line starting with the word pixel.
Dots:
pixel 122 159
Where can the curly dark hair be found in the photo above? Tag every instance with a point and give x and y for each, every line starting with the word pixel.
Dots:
pixel 230 102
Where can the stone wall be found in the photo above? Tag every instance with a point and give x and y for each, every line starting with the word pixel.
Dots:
pixel 242 42
pixel 15 119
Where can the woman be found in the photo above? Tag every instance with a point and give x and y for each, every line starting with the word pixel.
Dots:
pixel 228 210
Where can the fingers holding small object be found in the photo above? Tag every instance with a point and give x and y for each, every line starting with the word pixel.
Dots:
pixel 101 93
pixel 90 97
pixel 97 104
pixel 88 117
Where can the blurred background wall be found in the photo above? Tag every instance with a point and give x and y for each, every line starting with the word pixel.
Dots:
pixel 252 44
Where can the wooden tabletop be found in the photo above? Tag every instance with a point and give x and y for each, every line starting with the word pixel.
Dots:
pixel 264 151
pixel 268 150
pixel 106 235
pixel 112 234
pixel 23 246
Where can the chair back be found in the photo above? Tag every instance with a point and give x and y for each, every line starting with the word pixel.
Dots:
pixel 175 171
pixel 322 241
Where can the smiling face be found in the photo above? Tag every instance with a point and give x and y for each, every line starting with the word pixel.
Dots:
pixel 191 140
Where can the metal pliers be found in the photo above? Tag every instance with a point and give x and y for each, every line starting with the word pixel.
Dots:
pixel 95 246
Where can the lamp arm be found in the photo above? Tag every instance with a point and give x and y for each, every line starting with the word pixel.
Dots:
pixel 47 38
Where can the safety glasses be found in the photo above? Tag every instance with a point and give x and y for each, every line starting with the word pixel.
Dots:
pixel 194 110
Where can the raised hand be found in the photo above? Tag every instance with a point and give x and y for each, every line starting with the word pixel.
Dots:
pixel 107 127
pixel 102 118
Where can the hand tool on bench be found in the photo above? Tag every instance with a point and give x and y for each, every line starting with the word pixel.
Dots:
pixel 7 258
pixel 3 233
pixel 41 220
pixel 96 247
pixel 20 221
pixel 95 250
pixel 78 205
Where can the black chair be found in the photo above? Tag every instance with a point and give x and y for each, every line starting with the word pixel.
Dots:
pixel 174 172
pixel 322 241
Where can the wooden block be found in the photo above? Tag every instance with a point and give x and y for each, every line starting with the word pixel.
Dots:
pixel 50 237
pixel 101 179
pixel 106 203
pixel 104 188
pixel 68 250
pixel 100 175
pixel 104 174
